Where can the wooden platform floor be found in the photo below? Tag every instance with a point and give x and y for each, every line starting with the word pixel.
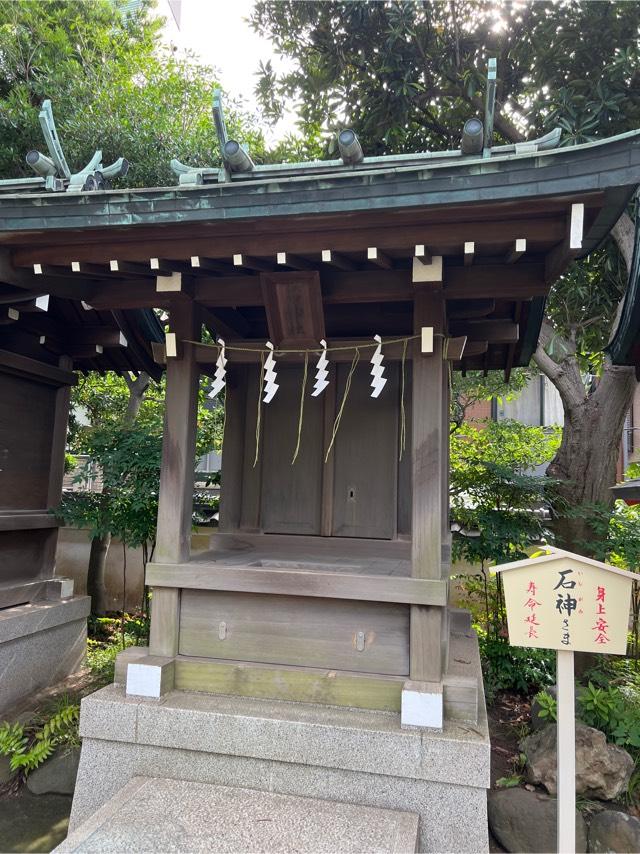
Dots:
pixel 309 554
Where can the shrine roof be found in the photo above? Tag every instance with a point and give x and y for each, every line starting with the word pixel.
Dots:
pixel 389 183
pixel 362 230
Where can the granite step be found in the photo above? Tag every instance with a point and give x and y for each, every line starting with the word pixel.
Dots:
pixel 151 814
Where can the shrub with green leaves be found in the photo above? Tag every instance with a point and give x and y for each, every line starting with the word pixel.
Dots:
pixel 28 745
pixel 514 668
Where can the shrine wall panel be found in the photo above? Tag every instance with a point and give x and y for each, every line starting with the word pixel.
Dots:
pixel 26 425
pixel 366 457
pixel 292 494
pixel 290 630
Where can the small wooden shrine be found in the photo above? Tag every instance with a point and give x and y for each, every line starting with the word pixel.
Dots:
pixel 338 297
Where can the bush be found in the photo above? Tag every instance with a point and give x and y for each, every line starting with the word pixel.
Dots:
pixel 514 668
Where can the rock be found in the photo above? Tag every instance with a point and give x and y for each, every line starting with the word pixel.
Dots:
pixel 526 821
pixel 57 775
pixel 536 722
pixel 5 772
pixel 602 770
pixel 614 831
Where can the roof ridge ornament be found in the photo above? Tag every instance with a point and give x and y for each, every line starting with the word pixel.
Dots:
pixel 55 170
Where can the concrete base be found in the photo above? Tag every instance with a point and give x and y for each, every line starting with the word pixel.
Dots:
pixel 151 814
pixel 338 754
pixel 40 644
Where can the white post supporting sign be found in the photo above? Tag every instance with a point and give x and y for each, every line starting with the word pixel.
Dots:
pixel 566 752
pixel 569 603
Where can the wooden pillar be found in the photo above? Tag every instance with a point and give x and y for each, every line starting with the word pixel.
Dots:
pixel 176 478
pixel 56 464
pixel 427 475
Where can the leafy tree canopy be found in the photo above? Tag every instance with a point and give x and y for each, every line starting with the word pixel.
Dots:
pixel 112 87
pixel 407 75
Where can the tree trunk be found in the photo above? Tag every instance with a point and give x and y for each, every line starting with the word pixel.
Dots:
pixel 96 587
pixel 585 463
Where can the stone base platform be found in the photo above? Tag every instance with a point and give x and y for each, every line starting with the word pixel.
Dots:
pixel 151 814
pixel 40 644
pixel 332 753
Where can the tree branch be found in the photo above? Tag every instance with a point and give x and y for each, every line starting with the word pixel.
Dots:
pixel 564 375
pixel 623 233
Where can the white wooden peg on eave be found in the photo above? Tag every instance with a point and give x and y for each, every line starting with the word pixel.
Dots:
pixel 421 251
pixel 469 252
pixel 42 302
pixel 577 226
pixel 431 272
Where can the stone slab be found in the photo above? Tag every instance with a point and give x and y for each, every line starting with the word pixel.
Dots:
pixel 157 814
pixel 452 818
pixel 23 620
pixel 40 644
pixel 354 740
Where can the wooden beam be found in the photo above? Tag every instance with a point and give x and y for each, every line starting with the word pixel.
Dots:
pixel 494 331
pixel 488 281
pixel 469 251
pixel 559 258
pixel 517 251
pixel 215 244
pixel 340 262
pixel 295 262
pixel 463 309
pixel 87 269
pixel 9 315
pixel 131 293
pixel 211 266
pixel 251 263
pixel 296 582
pixel 225 322
pixel 475 348
pixel 102 335
pixel 160 267
pixel 129 268
pixel 50 270
pixel 379 258
pixel 455 348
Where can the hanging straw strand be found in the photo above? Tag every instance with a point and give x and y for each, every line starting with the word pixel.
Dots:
pixel 300 416
pixel 258 416
pixel 403 416
pixel 347 386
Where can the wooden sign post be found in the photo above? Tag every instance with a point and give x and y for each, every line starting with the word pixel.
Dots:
pixel 569 603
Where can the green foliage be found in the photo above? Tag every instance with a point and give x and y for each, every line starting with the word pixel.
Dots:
pixel 509 782
pixel 548 706
pixel 112 87
pixel 28 745
pixel 102 400
pixel 406 76
pixel 494 493
pixel 475 387
pixel 129 458
pixel 607 709
pixel 514 668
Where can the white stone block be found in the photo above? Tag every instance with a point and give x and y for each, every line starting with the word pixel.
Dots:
pixel 422 705
pixel 151 677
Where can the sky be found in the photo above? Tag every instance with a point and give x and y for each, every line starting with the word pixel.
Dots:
pixel 217 31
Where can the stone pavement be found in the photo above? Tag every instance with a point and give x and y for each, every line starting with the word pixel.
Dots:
pixel 151 814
